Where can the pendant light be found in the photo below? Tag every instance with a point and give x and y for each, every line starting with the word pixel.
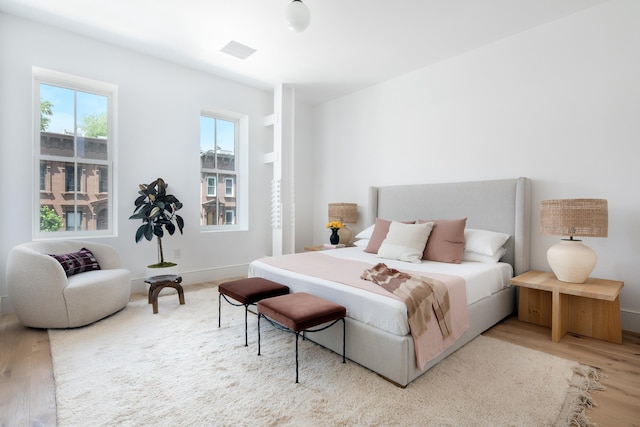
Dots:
pixel 297 16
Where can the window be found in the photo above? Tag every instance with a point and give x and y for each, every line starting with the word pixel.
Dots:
pixel 103 179
pixel 71 179
pixel 211 186
pixel 228 187
pixel 218 148
pixel 43 176
pixel 229 217
pixel 74 146
pixel 73 220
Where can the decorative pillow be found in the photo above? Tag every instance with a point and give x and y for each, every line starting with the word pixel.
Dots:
pixel 380 230
pixel 446 242
pixel 484 242
pixel 474 256
pixel 405 242
pixel 366 233
pixel 77 262
pixel 362 243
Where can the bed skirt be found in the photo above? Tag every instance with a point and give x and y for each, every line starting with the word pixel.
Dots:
pixel 393 357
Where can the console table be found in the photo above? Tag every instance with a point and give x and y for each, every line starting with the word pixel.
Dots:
pixel 591 309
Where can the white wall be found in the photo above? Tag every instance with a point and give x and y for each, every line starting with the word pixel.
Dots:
pixel 158 135
pixel 559 104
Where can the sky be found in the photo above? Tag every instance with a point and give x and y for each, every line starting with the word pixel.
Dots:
pixel 63 106
pixel 211 128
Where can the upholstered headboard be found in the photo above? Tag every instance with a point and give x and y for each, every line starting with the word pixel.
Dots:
pixel 499 205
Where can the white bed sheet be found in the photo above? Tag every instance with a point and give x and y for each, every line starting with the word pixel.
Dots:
pixel 388 314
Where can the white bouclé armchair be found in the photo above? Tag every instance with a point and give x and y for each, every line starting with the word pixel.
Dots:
pixel 44 297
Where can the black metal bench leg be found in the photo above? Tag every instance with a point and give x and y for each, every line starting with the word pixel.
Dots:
pixel 246 309
pixel 219 310
pixel 259 316
pixel 297 333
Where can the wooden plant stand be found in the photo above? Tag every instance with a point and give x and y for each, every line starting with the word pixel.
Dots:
pixel 158 283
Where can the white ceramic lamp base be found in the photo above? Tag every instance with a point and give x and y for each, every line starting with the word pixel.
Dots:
pixel 345 235
pixel 571 261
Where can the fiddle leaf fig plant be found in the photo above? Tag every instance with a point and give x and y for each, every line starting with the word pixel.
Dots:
pixel 157 210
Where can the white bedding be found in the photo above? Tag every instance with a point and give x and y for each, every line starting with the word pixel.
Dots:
pixel 388 314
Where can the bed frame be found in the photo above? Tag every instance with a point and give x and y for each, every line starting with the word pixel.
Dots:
pixel 499 205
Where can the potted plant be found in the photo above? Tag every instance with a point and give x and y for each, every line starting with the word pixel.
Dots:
pixel 157 210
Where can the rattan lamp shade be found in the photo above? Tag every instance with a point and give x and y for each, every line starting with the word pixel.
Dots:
pixel 571 260
pixel 574 217
pixel 344 212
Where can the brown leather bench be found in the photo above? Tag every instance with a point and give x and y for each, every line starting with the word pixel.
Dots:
pixel 299 312
pixel 247 292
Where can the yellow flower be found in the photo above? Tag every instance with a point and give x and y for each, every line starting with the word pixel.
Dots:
pixel 335 225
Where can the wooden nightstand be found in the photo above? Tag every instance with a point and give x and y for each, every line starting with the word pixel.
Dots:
pixel 591 308
pixel 321 248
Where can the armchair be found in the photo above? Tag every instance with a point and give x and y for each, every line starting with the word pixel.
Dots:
pixel 44 297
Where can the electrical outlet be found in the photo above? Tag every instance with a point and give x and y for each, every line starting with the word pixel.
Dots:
pixel 177 253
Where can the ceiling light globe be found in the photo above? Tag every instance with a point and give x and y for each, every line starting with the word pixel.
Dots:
pixel 297 16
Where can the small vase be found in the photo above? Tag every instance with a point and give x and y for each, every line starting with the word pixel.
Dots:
pixel 335 237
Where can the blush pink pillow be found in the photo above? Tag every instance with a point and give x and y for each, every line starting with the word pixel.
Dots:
pixel 379 234
pixel 446 242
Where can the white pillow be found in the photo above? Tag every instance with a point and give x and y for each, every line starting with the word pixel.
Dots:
pixel 362 243
pixel 366 233
pixel 487 259
pixel 405 242
pixel 484 242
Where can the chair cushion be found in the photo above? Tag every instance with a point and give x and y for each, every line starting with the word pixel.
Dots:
pixel 93 295
pixel 300 311
pixel 252 289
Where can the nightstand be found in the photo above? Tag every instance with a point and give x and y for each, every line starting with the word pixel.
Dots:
pixel 322 248
pixel 591 309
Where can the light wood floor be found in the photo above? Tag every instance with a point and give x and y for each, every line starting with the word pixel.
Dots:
pixel 27 393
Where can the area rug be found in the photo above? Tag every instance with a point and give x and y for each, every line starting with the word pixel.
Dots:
pixel 177 368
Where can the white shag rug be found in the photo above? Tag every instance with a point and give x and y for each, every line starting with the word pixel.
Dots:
pixel 177 368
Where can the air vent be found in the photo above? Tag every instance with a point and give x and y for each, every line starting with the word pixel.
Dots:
pixel 238 50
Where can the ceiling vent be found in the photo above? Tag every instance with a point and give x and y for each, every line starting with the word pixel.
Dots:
pixel 238 50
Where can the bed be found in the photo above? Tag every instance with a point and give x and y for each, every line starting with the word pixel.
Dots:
pixel 376 338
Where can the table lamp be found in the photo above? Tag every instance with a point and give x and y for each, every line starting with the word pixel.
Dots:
pixel 571 260
pixel 345 213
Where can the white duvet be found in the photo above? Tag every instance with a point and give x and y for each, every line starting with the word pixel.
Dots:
pixel 389 314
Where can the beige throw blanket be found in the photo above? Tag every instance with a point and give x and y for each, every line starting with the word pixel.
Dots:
pixel 420 294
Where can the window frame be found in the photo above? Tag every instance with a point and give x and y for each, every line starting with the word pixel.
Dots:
pixel 89 86
pixel 240 173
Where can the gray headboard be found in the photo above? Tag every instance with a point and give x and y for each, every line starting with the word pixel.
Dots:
pixel 499 205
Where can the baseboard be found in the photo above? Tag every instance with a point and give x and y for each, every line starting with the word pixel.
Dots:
pixel 199 276
pixel 630 321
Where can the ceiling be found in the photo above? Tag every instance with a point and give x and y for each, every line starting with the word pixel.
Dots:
pixel 350 44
